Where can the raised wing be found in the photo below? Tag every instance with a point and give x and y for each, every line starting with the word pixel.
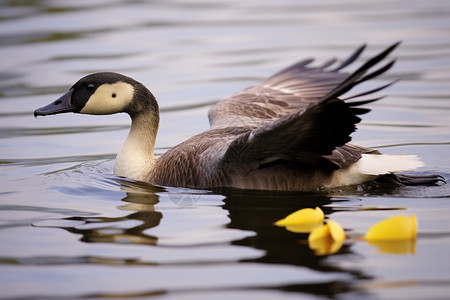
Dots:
pixel 315 135
pixel 288 91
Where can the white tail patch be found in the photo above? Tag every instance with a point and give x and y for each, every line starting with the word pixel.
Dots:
pixel 376 164
pixel 370 166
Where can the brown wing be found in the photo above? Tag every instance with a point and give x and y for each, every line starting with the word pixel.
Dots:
pixel 316 135
pixel 286 92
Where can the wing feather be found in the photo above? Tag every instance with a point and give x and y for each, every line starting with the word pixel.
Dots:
pixel 297 116
pixel 291 90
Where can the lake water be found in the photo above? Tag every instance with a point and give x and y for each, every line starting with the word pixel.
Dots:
pixel 70 229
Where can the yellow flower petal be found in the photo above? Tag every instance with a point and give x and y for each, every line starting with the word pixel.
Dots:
pixel 326 239
pixel 319 233
pixel 336 231
pixel 302 216
pixel 394 228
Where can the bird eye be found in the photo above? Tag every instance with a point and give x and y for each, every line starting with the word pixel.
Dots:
pixel 90 86
pixel 114 95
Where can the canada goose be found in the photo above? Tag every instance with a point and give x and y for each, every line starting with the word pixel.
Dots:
pixel 289 132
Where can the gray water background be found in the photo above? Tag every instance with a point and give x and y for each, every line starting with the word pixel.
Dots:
pixel 70 229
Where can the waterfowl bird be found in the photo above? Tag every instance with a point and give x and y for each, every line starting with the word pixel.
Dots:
pixel 290 132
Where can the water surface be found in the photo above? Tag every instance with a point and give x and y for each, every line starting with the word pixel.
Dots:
pixel 70 229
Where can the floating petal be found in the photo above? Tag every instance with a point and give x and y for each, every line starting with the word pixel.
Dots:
pixel 336 231
pixel 327 239
pixel 302 216
pixel 394 228
pixel 319 233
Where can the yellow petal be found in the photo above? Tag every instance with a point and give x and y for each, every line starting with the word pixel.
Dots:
pixel 319 233
pixel 326 239
pixel 336 231
pixel 394 228
pixel 302 216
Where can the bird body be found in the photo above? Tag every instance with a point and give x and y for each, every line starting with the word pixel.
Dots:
pixel 291 132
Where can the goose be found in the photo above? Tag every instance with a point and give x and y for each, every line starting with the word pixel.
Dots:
pixel 291 132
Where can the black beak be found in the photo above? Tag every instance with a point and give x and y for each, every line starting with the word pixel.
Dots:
pixel 61 105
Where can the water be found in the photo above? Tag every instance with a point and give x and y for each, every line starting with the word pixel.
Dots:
pixel 70 229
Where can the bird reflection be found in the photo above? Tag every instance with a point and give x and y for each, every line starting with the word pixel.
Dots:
pixel 247 210
pixel 257 212
pixel 140 199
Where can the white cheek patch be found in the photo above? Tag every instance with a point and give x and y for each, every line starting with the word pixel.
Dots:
pixel 109 99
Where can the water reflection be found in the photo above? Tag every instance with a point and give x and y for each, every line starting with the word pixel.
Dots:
pixel 247 211
pixel 140 199
pixel 258 212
